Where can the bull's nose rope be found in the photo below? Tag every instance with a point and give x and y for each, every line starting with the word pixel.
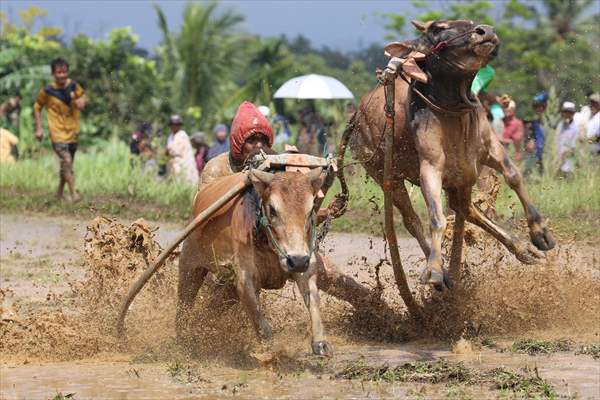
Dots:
pixel 265 223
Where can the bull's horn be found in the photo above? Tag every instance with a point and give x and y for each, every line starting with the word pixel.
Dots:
pixel 262 176
pixel 422 26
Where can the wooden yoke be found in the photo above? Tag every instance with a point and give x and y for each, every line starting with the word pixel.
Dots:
pixel 390 233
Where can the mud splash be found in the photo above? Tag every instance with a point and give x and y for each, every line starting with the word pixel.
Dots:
pixel 496 295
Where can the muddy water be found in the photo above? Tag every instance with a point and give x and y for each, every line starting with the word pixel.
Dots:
pixel 65 352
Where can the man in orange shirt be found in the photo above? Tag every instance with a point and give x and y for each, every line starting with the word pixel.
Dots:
pixel 63 99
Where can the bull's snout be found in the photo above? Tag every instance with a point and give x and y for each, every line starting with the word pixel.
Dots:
pixel 486 32
pixel 297 263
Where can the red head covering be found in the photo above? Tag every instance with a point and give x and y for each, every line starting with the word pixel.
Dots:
pixel 248 121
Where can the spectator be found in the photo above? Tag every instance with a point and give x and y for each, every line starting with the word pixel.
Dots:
pixel 584 115
pixel 64 99
pixel 593 125
pixel 536 137
pixel 8 147
pixel 567 133
pixel 181 156
pixel 199 144
pixel 494 110
pixel 221 143
pixel 513 127
pixel 282 130
pixel 143 130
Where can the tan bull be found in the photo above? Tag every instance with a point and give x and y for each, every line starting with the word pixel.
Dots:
pixel 442 140
pixel 263 238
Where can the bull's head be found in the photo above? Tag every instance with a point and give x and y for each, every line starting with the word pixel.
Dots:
pixel 287 214
pixel 449 47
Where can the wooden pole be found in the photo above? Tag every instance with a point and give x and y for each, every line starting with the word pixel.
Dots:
pixel 200 218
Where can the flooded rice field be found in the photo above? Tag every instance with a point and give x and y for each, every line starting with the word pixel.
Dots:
pixel 506 330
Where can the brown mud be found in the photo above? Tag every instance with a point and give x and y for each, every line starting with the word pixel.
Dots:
pixel 62 281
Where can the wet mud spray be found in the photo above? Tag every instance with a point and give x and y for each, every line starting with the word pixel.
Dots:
pixel 496 295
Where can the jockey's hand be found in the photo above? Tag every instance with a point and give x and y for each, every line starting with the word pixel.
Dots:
pixel 39 134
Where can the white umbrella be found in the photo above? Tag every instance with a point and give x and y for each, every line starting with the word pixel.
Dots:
pixel 313 86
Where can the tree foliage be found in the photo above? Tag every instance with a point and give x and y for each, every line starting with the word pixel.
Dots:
pixel 205 68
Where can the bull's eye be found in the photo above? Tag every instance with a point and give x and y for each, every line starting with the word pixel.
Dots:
pixel 272 212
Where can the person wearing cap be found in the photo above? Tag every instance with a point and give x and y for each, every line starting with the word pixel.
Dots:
pixel 199 144
pixel 593 125
pixel 566 139
pixel 536 137
pixel 251 132
pixel 513 127
pixel 221 143
pixel 181 163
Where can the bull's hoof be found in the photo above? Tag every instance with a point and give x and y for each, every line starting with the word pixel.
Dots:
pixel 321 349
pixel 543 240
pixel 433 277
pixel 527 253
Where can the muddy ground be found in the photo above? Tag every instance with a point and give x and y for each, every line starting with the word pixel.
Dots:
pixel 506 330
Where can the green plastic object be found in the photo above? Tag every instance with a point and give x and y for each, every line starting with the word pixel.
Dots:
pixel 483 78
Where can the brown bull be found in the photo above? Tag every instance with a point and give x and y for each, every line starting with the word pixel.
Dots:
pixel 442 140
pixel 264 238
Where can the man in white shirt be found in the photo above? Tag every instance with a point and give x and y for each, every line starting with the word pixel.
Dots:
pixel 567 133
pixel 593 125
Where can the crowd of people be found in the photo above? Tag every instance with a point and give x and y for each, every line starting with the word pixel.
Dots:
pixel 577 132
pixel 185 158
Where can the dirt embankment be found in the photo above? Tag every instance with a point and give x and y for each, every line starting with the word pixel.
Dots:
pixel 62 283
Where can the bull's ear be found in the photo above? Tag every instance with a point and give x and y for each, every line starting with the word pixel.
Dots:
pixel 316 177
pixel 261 180
pixel 398 49
pixel 422 26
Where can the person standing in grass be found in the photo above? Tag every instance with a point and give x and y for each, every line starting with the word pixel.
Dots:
pixel 593 125
pixel 221 143
pixel 182 164
pixel 536 137
pixel 568 133
pixel 64 99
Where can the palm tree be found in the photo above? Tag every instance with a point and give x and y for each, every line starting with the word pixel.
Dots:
pixel 197 61
pixel 268 67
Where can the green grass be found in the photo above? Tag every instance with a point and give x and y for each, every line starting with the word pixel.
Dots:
pixel 534 347
pixel 526 384
pixel 112 183
pixel 109 180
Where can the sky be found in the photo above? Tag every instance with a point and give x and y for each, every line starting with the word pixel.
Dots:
pixel 339 24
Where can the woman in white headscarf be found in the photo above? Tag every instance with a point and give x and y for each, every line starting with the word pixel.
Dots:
pixel 182 164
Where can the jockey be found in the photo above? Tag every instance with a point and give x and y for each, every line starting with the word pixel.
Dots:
pixel 251 132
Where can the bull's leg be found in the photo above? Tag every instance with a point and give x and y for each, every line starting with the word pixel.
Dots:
pixel 191 276
pixel 431 186
pixel 307 284
pixel 249 299
pixel 339 285
pixel 411 220
pixel 538 231
pixel 524 251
